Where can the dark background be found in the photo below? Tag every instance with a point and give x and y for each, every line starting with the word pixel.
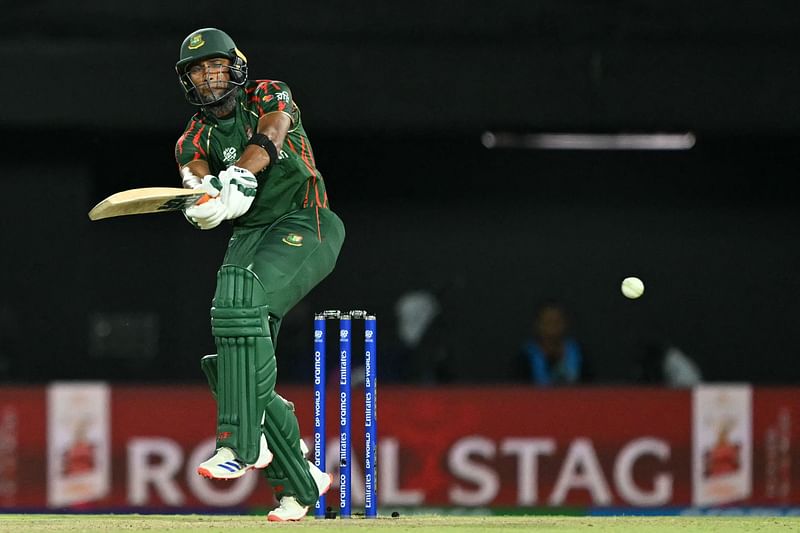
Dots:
pixel 395 97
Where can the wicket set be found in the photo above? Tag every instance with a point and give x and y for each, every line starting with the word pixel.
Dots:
pixel 345 319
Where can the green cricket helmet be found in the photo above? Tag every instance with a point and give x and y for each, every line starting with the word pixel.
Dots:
pixel 207 43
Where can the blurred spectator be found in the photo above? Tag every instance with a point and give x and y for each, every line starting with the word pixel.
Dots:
pixel 424 350
pixel 552 357
pixel 664 363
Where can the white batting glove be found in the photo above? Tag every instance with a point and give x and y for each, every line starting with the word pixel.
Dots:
pixel 210 213
pixel 239 190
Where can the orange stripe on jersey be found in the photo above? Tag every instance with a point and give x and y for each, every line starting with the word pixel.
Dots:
pixel 316 191
pixel 180 143
pixel 304 157
pixel 311 157
pixel 303 151
pixel 196 140
pixel 319 232
pixel 255 99
pixel 182 138
pixel 305 200
pixel 310 168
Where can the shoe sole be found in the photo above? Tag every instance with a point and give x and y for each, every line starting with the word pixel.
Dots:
pixel 273 518
pixel 206 473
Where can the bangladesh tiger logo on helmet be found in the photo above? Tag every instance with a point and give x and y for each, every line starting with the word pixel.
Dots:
pixel 207 43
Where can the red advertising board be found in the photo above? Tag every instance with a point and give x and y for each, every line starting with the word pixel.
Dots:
pixel 444 446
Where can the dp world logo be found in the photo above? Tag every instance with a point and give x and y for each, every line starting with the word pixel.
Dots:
pixel 368 334
pixel 343 333
pixel 317 333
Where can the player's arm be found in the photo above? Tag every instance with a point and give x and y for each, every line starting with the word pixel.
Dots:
pixel 195 174
pixel 191 156
pixel 276 108
pixel 274 126
pixel 192 173
pixel 262 149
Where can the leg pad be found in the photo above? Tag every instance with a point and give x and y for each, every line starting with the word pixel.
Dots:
pixel 246 373
pixel 283 435
pixel 246 360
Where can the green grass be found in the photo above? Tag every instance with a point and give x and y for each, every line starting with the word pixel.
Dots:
pixel 35 523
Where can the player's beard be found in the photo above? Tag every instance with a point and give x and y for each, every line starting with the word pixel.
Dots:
pixel 223 107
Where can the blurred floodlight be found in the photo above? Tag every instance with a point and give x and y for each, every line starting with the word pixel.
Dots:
pixel 589 141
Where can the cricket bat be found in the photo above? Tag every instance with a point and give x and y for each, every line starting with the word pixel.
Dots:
pixel 147 200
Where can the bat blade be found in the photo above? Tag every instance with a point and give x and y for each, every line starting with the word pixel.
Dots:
pixel 145 200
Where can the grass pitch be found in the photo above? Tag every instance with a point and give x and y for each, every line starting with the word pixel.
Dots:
pixel 40 523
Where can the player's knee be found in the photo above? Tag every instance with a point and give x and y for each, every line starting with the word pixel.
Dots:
pixel 239 287
pixel 240 304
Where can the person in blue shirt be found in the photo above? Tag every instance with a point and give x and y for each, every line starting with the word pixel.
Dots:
pixel 551 356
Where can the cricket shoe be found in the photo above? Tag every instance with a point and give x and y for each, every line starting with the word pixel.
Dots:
pixel 290 510
pixel 225 465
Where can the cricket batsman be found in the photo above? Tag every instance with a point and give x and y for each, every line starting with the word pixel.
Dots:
pixel 247 149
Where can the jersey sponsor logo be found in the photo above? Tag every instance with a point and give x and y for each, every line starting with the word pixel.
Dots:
pixel 293 239
pixel 229 154
pixel 196 41
pixel 282 155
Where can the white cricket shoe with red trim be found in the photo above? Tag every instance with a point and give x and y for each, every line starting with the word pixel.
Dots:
pixel 225 465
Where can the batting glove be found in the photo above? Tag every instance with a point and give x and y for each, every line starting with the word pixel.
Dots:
pixel 212 212
pixel 239 190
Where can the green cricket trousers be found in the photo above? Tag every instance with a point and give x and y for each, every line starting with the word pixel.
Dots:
pixel 266 271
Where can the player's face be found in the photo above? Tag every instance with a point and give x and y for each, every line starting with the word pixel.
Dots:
pixel 211 77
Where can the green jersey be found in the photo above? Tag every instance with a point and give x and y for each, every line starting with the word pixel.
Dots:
pixel 290 183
